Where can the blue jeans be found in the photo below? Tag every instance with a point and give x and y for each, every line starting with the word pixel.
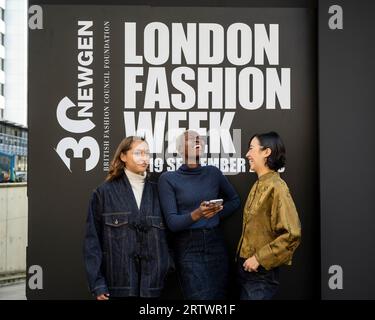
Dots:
pixel 261 285
pixel 202 264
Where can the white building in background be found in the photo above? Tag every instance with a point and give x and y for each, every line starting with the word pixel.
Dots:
pixel 13 84
pixel 13 63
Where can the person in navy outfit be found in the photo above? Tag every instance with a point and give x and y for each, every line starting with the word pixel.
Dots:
pixel 200 252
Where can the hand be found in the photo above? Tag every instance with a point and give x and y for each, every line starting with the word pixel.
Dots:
pixel 209 209
pixel 251 264
pixel 206 211
pixel 104 296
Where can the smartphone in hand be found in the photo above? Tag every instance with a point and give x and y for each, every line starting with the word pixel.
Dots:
pixel 217 202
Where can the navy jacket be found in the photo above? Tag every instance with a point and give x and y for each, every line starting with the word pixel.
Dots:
pixel 125 248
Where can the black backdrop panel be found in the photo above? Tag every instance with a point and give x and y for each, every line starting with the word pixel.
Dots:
pixel 58 197
pixel 346 121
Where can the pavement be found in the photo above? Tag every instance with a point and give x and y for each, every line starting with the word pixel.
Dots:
pixel 14 291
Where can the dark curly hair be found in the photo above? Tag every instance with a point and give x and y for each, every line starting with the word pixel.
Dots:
pixel 276 160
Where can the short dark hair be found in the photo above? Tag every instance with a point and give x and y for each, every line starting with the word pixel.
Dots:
pixel 273 141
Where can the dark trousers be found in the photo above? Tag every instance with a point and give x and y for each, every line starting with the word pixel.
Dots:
pixel 261 285
pixel 202 264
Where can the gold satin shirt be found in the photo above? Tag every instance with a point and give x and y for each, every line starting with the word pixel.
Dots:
pixel 271 228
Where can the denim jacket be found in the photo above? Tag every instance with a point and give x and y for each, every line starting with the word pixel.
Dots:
pixel 125 248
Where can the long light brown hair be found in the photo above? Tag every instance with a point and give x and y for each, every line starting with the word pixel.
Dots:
pixel 117 166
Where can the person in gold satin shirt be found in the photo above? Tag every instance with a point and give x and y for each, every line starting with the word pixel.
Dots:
pixel 271 227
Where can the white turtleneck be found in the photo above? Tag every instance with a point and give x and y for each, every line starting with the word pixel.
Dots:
pixel 137 182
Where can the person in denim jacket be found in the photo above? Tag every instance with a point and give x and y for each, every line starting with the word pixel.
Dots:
pixel 125 247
